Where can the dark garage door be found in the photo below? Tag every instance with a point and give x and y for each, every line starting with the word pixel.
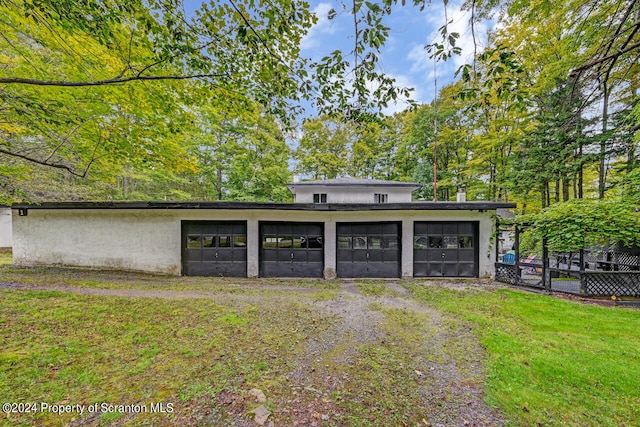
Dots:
pixel 368 249
pixel 214 248
pixel 445 249
pixel 291 249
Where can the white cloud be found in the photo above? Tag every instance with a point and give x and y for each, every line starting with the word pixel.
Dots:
pixel 322 27
pixel 419 59
pixel 459 22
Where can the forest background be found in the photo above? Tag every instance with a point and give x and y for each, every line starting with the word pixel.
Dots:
pixel 142 100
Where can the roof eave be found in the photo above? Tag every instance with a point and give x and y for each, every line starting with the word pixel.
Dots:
pixel 417 206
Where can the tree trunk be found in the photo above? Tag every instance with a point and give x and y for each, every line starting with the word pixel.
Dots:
pixel 125 183
pixel 580 174
pixel 603 142
pixel 494 181
pixel 219 182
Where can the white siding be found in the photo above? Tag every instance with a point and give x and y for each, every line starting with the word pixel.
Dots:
pixel 352 194
pixel 6 231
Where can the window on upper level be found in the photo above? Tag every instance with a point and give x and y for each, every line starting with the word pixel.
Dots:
pixel 320 198
pixel 380 198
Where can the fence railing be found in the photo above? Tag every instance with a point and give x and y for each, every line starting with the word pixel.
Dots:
pixel 563 273
pixel 618 283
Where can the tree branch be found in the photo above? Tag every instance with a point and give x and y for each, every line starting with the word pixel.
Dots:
pixel 619 29
pixel 115 80
pixel 606 58
pixel 44 163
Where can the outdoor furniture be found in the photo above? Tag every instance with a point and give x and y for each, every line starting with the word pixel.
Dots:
pixel 509 258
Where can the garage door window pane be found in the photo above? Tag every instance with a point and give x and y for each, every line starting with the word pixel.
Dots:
pixel 435 241
pixel 193 242
pixel 269 242
pixel 299 242
pixel 315 242
pixel 466 242
pixel 208 241
pixel 375 242
pixel 224 241
pixel 419 242
pixel 344 242
pixel 284 242
pixel 240 241
pixel 359 243
pixel 450 242
pixel 390 242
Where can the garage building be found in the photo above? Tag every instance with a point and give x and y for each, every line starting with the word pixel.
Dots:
pixel 379 234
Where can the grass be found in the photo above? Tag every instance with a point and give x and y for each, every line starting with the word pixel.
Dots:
pixel 65 348
pixel 373 289
pixel 541 360
pixel 550 361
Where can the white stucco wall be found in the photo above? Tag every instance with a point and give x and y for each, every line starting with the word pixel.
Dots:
pixel 343 194
pixel 6 230
pixel 142 240
pixel 149 240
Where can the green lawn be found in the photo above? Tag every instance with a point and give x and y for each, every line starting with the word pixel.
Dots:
pixel 550 361
pixel 543 361
pixel 66 348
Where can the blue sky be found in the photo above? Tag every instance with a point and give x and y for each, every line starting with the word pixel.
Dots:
pixel 404 56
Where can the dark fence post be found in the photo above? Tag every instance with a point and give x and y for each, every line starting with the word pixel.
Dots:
pixel 498 238
pixel 517 250
pixel 546 277
pixel 583 279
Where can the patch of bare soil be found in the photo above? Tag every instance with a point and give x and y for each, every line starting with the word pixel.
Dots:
pixel 595 301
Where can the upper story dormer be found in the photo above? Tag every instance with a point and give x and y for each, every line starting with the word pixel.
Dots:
pixel 352 190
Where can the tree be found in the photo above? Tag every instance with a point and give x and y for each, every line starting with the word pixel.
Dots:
pixel 259 172
pixel 580 223
pixel 91 84
pixel 108 86
pixel 324 148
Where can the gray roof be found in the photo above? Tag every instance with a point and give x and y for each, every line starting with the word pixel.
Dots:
pixel 355 182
